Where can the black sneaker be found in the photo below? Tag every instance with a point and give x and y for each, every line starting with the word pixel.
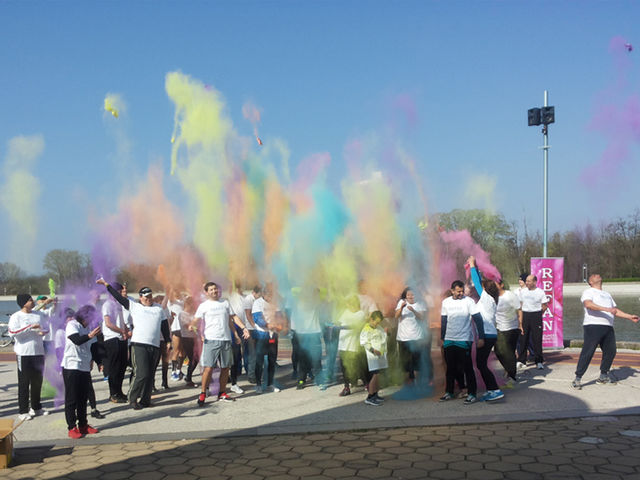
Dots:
pixel 300 385
pixel 96 414
pixel 136 406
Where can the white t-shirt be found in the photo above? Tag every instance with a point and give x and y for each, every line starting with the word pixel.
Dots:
pixel 175 308
pixel 304 318
pixel 248 305
pixel 507 312
pixel 185 319
pixel 28 341
pixel 532 300
pixel 268 312
pixel 487 307
pixel 147 322
pixel 409 327
pixel 458 314
pixel 349 340
pixel 602 299
pixel 77 357
pixel 215 314
pixel 114 311
pixel 237 305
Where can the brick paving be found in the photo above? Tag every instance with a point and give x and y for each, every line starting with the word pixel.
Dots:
pixel 605 447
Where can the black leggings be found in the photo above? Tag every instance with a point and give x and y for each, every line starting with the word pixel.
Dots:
pixel 482 357
pixel 459 367
pixel 187 344
pixel 506 350
pixel 269 347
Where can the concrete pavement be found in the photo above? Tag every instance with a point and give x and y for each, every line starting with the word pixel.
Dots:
pixel 302 433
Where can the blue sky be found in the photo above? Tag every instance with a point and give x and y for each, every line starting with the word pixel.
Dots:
pixel 323 73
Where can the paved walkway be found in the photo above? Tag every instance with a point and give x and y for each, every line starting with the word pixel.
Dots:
pixel 542 429
pixel 582 448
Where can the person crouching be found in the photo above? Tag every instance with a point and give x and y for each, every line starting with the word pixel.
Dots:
pixel 76 368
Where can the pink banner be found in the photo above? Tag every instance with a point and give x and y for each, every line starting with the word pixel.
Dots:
pixel 550 273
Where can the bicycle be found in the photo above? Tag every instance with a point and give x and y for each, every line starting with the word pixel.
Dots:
pixel 5 339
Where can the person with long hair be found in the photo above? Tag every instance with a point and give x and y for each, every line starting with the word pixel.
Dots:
pixel 410 315
pixel 487 304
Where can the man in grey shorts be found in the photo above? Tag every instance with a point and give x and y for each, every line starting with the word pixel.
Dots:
pixel 216 316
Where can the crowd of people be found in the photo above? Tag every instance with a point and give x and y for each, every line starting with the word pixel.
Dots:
pixel 242 331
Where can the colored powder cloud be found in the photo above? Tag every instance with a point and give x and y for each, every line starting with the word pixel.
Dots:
pixel 19 195
pixel 617 120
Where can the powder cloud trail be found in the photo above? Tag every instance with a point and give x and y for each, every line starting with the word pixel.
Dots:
pixel 19 195
pixel 617 120
pixel 459 244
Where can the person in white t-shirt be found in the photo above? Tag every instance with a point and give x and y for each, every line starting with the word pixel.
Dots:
pixel 249 345
pixel 150 323
pixel 351 353
pixel 236 300
pixel 509 325
pixel 76 370
pixel 188 338
pixel 599 312
pixel 268 320
pixel 116 334
pixel 411 317
pixel 456 334
pixel 533 303
pixel 217 318
pixel 25 327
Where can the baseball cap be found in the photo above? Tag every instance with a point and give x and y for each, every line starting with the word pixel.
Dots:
pixel 145 292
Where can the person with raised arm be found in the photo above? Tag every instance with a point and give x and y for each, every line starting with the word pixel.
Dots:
pixel 149 324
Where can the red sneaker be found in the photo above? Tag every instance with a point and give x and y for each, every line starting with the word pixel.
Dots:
pixel 75 433
pixel 201 398
pixel 223 397
pixel 88 429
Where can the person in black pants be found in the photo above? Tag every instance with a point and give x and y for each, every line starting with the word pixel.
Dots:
pixel 115 334
pixel 534 303
pixel 76 368
pixel 599 312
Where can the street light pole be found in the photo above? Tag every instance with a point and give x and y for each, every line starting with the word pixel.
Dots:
pixel 545 149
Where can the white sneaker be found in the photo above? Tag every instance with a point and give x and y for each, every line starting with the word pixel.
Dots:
pixel 273 388
pixel 37 413
pixel 23 417
pixel 539 366
pixel 236 389
pixel 520 365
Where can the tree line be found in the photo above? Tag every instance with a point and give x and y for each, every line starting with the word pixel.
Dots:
pixel 611 249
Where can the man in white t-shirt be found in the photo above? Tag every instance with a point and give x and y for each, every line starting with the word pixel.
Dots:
pixel 533 302
pixel 217 317
pixel 25 326
pixel 599 312
pixel 150 323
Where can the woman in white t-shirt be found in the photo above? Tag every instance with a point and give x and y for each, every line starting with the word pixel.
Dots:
pixel 411 315
pixel 76 368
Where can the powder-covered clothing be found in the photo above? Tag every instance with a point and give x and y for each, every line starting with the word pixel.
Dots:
pixel 349 335
pixel 409 326
pixel 602 299
pixel 507 312
pixel 374 338
pixel 532 300
pixel 28 341
pixel 304 318
pixel 216 314
pixel 185 319
pixel 248 305
pixel 77 357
